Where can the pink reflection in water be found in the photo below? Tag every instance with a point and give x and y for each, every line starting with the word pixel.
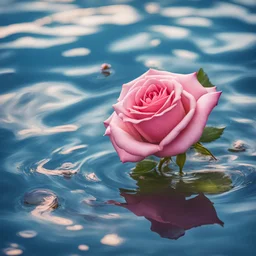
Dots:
pixel 171 214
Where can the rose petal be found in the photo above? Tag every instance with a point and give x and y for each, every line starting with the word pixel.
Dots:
pixel 130 142
pixel 153 107
pixel 148 85
pixel 184 122
pixel 189 82
pixel 123 105
pixel 167 106
pixel 140 115
pixel 191 85
pixel 158 127
pixel 128 86
pixel 123 155
pixel 192 133
pixel 137 121
pixel 107 121
pixel 107 132
pixel 211 89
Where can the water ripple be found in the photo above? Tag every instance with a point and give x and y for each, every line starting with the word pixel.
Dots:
pixel 45 201
pixel 24 110
pixel 54 99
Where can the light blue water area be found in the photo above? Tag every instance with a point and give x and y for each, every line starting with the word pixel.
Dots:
pixel 61 179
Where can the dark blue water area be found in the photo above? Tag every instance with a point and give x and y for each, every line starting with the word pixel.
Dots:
pixel 63 188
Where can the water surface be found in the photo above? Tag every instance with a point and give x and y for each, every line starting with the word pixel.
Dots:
pixel 61 180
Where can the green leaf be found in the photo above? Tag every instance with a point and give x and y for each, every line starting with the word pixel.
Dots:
pixel 202 150
pixel 180 160
pixel 210 182
pixel 203 78
pixel 211 133
pixel 144 166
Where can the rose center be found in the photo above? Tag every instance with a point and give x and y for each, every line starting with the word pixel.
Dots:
pixel 150 96
pixel 148 100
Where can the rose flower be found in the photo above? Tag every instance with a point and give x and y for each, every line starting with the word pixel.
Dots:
pixel 160 113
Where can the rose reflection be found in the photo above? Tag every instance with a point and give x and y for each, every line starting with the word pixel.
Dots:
pixel 169 212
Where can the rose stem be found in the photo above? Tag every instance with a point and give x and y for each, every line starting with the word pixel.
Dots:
pixel 160 165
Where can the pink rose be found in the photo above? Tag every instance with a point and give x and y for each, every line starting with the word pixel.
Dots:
pixel 159 113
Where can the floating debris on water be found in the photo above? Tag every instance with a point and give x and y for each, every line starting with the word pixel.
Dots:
pixel 238 146
pixel 92 177
pixel 105 66
pixel 105 69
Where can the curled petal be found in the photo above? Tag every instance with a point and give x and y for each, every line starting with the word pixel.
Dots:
pixel 189 107
pixel 130 142
pixel 128 86
pixel 129 100
pixel 211 89
pixel 169 104
pixel 152 108
pixel 158 127
pixel 108 131
pixel 107 121
pixel 123 155
pixel 192 133
pixel 189 82
pixel 191 85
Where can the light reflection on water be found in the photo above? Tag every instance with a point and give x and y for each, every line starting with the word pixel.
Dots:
pixel 54 98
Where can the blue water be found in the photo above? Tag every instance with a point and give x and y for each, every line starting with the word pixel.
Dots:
pixel 58 173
